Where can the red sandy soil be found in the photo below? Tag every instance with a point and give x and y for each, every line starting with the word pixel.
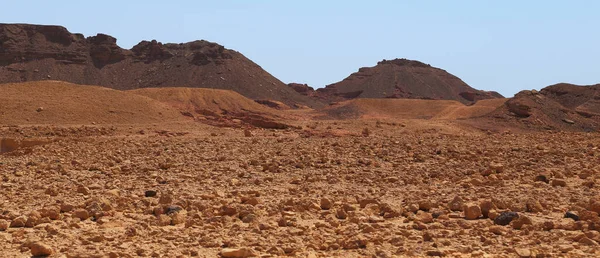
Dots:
pixel 59 103
pixel 410 109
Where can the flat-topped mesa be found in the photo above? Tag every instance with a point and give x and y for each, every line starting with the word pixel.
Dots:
pixel 24 43
pixel 403 62
pixel 403 78
pixel 40 52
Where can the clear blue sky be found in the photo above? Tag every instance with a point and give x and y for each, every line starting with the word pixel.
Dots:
pixel 505 46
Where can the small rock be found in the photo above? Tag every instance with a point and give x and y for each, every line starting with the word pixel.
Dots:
pixel 164 220
pixel 238 252
pixel 522 220
pixel 247 133
pixel 423 217
pixel 341 214
pixel 39 109
pixel 505 218
pixel 571 215
pixel 559 182
pixel 568 121
pixel 534 206
pixel 456 204
pixel 18 222
pixel 366 132
pixel 523 252
pixel 472 211
pixel 150 193
pixel 498 230
pixel 40 249
pixel 486 207
pixel 81 214
pixel 542 178
pixel 425 205
pixel 4 225
pixel 434 252
pixel 326 204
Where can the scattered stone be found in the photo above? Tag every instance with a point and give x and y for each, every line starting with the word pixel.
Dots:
pixel 18 222
pixel 81 214
pixel 4 224
pixel 150 193
pixel 542 178
pixel 505 218
pixel 423 217
pixel 472 211
pixel 247 133
pixel 523 252
pixel 326 204
pixel 341 214
pixel 533 206
pixel 521 221
pixel 571 215
pixel 498 230
pixel 486 207
pixel 456 204
pixel 238 253
pixel 559 182
pixel 40 249
pixel 425 205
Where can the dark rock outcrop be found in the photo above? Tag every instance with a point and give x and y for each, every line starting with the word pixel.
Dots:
pixel 40 52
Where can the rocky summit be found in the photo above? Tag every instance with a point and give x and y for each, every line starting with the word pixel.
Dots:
pixel 40 52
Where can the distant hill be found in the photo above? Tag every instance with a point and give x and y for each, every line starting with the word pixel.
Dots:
pixel 398 78
pixel 40 52
pixel 62 103
pixel 563 106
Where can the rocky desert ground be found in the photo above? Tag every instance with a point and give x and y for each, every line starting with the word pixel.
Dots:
pixel 193 150
pixel 355 188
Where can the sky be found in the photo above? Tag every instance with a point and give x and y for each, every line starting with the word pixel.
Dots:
pixel 505 46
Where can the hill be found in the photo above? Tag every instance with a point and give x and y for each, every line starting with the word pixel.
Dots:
pixel 61 103
pixel 562 106
pixel 217 107
pixel 40 52
pixel 399 78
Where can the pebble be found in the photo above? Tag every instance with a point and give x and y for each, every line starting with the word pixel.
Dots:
pixel 40 249
pixel 4 225
pixel 456 204
pixel 238 252
pixel 472 211
pixel 559 182
pixel 326 204
pixel 505 218
pixel 423 217
pixel 523 252
pixel 150 193
pixel 571 215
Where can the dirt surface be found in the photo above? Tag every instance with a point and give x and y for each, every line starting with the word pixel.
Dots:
pixel 409 109
pixel 399 78
pixel 38 52
pixel 415 188
pixel 89 171
pixel 60 103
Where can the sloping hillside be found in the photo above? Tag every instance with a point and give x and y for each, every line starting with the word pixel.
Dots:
pixel 60 103
pixel 38 52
